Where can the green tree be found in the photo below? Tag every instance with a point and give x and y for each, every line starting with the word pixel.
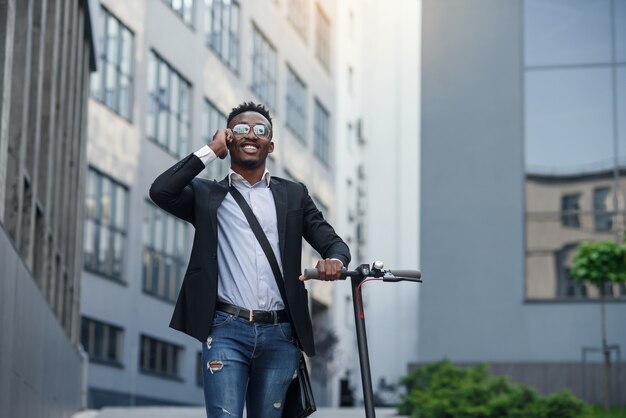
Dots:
pixel 601 263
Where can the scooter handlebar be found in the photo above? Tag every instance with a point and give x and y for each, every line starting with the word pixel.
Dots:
pixel 315 274
pixel 389 276
pixel 408 274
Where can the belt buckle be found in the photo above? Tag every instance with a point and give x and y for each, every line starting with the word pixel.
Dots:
pixel 250 314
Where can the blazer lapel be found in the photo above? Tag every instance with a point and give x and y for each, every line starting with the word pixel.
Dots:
pixel 280 200
pixel 215 200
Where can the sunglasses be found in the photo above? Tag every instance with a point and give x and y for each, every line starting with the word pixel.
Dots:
pixel 259 130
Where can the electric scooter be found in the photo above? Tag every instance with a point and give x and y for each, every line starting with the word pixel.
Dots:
pixel 359 276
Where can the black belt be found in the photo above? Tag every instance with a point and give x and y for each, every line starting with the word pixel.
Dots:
pixel 265 317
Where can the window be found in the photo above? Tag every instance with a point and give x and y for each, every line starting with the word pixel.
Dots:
pixel 222 30
pixel 212 120
pixel 601 217
pixel 159 357
pixel 112 84
pixel 296 105
pixel 570 208
pixel 572 103
pixel 183 8
pixel 164 252
pixel 105 225
pixel 103 342
pixel 568 110
pixel 167 119
pixel 620 31
pixel 320 131
pixel 322 36
pixel 199 367
pixel 583 35
pixel 297 13
pixel 263 69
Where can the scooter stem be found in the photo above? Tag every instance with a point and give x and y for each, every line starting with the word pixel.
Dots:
pixel 366 377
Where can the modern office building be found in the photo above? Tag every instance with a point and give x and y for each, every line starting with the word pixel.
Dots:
pixel 169 73
pixel 523 134
pixel 46 56
pixel 383 184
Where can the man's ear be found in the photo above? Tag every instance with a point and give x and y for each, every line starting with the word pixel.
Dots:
pixel 271 147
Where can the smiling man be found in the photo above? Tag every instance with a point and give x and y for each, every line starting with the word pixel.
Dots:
pixel 230 299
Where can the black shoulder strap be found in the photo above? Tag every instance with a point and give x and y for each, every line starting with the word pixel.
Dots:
pixel 262 238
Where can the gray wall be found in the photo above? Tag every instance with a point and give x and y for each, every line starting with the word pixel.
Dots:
pixel 40 370
pixel 472 304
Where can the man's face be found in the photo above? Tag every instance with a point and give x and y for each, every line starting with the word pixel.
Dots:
pixel 250 150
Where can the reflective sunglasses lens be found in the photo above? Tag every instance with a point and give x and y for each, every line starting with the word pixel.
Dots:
pixel 241 129
pixel 261 130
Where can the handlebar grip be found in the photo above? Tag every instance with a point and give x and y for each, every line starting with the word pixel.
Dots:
pixel 315 274
pixel 412 274
pixel 311 273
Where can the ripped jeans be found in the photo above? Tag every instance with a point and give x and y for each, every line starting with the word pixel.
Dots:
pixel 246 361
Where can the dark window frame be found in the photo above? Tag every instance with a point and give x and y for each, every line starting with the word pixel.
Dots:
pixel 296 105
pixel 570 216
pixel 161 102
pixel 321 133
pixel 228 33
pixel 88 340
pixel 602 217
pixel 113 230
pixel 322 38
pixel 199 369
pixel 212 120
pixel 98 83
pixel 155 348
pixel 264 68
pixel 298 17
pixel 163 281
pixel 185 14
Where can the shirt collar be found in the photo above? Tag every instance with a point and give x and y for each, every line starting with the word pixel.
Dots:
pixel 233 176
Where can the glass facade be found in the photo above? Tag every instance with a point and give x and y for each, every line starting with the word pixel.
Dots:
pixel 112 84
pixel 212 120
pixel 297 13
pixel 164 253
pixel 183 8
pixel 159 357
pixel 263 68
pixel 296 105
pixel 322 38
pixel 321 129
pixel 575 139
pixel 168 117
pixel 106 211
pixel 103 342
pixel 222 30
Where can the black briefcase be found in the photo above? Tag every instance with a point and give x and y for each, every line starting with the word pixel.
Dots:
pixel 299 402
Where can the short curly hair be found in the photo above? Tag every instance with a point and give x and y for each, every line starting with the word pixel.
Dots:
pixel 249 107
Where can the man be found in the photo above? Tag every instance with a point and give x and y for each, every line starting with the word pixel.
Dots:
pixel 229 299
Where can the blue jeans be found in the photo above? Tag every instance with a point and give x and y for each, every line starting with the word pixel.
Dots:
pixel 246 361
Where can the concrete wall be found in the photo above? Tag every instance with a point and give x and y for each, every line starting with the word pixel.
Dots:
pixel 472 305
pixel 40 370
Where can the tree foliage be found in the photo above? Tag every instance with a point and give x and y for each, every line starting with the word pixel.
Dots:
pixel 441 390
pixel 599 262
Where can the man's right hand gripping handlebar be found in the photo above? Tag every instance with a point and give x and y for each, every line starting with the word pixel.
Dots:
pixel 375 272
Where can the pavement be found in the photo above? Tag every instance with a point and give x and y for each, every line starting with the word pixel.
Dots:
pixel 195 412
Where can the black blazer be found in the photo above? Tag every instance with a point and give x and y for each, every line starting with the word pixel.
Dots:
pixel 196 200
